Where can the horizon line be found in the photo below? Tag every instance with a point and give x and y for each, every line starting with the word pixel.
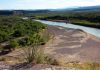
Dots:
pixel 52 8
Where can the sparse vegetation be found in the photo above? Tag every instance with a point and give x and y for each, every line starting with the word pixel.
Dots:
pixel 84 66
pixel 34 54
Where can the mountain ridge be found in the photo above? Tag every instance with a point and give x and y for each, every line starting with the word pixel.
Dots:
pixel 76 9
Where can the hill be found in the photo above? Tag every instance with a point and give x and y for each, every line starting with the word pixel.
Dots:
pixel 78 9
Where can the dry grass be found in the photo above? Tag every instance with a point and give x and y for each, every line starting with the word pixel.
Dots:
pixel 35 54
pixel 84 66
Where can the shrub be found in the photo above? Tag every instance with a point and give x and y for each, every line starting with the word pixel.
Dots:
pixel 29 54
pixel 33 54
pixel 13 44
pixel 41 58
pixel 17 33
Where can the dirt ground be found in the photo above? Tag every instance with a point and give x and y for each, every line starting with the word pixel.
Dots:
pixel 70 45
pixel 67 45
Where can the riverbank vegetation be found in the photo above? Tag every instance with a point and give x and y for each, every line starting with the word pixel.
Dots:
pixel 91 19
pixel 16 32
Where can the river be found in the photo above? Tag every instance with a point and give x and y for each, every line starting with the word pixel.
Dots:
pixel 93 31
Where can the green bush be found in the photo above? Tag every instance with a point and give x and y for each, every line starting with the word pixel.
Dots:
pixel 13 27
pixel 13 44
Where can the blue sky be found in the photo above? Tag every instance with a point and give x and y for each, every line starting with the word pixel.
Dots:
pixel 45 4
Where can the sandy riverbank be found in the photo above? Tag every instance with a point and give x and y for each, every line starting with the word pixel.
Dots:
pixel 69 45
pixel 66 46
pixel 73 45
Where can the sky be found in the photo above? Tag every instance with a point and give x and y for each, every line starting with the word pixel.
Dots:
pixel 45 4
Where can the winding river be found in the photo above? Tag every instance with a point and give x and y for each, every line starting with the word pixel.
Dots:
pixel 93 31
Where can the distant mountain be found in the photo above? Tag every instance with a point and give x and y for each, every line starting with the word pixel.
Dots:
pixel 16 12
pixel 30 11
pixel 89 8
pixel 5 12
pixel 79 9
pixel 76 9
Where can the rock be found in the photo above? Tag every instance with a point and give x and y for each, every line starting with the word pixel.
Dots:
pixel 44 67
pixel 4 66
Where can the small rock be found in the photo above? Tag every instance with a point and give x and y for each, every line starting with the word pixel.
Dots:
pixel 4 66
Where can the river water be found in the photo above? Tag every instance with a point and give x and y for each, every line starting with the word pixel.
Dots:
pixel 93 31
